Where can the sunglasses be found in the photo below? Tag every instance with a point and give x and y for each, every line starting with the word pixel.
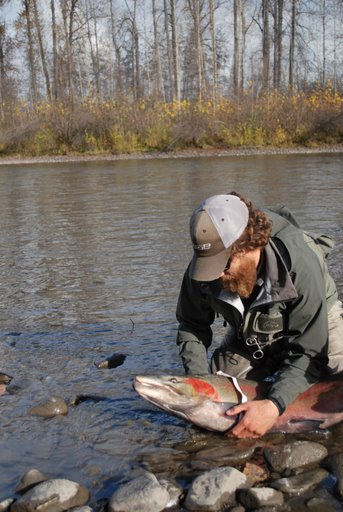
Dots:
pixel 228 264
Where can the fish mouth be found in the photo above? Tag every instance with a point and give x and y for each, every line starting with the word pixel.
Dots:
pixel 162 395
pixel 5 379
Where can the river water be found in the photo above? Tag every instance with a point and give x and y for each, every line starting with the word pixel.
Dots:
pixel 91 260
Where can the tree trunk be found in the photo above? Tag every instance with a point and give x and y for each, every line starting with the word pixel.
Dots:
pixel 41 49
pixel 278 21
pixel 2 70
pixel 158 66
pixel 68 14
pixel 55 88
pixel 118 70
pixel 30 47
pixel 214 54
pixel 324 42
pixel 265 45
pixel 94 47
pixel 169 50
pixel 236 45
pixel 175 52
pixel 292 48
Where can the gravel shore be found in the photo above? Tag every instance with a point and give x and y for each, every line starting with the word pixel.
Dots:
pixel 189 153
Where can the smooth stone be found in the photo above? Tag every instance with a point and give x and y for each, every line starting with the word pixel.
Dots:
pixel 55 495
pixel 299 484
pixel 5 379
pixel 55 406
pixel 5 504
pixel 143 494
pixel 29 479
pixel 336 466
pixel 294 455
pixel 214 489
pixel 81 509
pixel 111 362
pixel 259 497
pixel 255 473
pixel 175 492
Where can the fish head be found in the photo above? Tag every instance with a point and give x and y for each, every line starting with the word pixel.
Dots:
pixel 196 399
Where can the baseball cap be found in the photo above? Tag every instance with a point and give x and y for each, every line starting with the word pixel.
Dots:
pixel 214 226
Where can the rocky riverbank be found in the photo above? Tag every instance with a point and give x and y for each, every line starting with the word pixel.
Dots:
pixel 189 153
pixel 296 476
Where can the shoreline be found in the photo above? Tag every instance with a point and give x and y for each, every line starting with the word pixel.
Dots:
pixel 187 153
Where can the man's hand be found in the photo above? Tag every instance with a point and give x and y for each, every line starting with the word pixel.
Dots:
pixel 259 417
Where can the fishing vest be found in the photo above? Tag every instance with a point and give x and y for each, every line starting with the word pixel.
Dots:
pixel 265 326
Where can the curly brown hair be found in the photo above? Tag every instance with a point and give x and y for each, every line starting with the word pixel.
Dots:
pixel 258 230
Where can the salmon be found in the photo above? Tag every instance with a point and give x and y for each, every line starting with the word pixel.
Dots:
pixel 204 400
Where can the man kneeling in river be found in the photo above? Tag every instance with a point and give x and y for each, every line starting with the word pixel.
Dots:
pixel 270 282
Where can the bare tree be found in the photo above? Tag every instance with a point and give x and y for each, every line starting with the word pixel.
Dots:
pixel 292 46
pixel 278 37
pixel 117 52
pixel 41 45
pixel 213 52
pixel 157 54
pixel 27 13
pixel 265 45
pixel 68 8
pixel 175 51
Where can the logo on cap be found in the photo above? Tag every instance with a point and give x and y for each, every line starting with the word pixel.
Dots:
pixel 202 247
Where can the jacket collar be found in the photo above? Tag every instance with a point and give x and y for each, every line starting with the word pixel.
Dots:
pixel 276 283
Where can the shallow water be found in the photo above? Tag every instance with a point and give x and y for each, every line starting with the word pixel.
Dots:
pixel 92 257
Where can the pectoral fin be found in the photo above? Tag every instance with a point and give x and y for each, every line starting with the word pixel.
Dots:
pixel 303 425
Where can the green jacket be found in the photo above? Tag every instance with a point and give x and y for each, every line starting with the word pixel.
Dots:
pixel 289 317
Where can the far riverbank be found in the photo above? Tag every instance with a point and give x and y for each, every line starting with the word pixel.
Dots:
pixel 190 153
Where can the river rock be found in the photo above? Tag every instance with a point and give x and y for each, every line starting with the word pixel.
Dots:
pixel 336 466
pixel 213 489
pixel 111 362
pixel 31 478
pixel 175 492
pixel 5 504
pixel 5 379
pixel 53 407
pixel 255 473
pixel 81 509
pixel 294 455
pixel 55 495
pixel 230 454
pixel 299 484
pixel 143 493
pixel 259 497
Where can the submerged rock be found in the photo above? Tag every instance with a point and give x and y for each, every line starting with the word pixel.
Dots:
pixel 5 379
pixel 336 466
pixel 214 489
pixel 294 455
pixel 5 504
pixel 111 362
pixel 259 497
pixel 143 493
pixel 55 495
pixel 31 478
pixel 55 406
pixel 175 492
pixel 299 484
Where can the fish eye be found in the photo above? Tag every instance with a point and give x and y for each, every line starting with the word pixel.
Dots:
pixel 173 380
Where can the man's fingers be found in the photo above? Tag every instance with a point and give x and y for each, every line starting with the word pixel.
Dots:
pixel 236 409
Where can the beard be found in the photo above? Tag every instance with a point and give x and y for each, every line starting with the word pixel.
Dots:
pixel 241 280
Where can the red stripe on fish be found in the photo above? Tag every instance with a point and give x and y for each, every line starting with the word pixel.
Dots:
pixel 201 387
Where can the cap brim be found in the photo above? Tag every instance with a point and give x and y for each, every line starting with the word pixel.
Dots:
pixel 208 268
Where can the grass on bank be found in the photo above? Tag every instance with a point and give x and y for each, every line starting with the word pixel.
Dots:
pixel 95 127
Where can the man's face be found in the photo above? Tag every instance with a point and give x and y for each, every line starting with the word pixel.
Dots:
pixel 241 276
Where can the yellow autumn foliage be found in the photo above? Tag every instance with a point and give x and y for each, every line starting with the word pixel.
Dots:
pixel 95 126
